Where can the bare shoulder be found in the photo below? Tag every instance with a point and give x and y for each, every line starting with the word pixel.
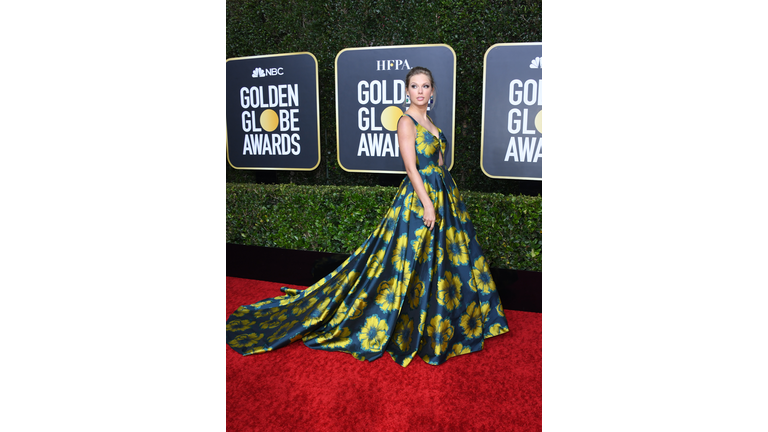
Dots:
pixel 405 124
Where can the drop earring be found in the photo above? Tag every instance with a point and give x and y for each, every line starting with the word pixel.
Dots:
pixel 431 99
pixel 407 99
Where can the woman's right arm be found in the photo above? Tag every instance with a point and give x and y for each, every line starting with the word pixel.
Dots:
pixel 406 137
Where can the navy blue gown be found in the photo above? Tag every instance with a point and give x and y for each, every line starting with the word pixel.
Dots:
pixel 405 290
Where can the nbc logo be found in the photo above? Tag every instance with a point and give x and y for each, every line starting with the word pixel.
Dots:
pixel 535 63
pixel 260 73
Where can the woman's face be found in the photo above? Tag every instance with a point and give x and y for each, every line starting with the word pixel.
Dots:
pixel 419 89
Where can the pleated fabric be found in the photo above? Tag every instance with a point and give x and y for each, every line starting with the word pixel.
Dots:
pixel 405 290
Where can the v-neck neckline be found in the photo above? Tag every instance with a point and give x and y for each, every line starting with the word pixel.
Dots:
pixel 423 127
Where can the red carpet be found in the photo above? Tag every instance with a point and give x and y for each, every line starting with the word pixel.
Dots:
pixel 299 389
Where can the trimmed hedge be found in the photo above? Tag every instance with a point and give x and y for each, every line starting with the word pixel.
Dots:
pixel 323 27
pixel 339 218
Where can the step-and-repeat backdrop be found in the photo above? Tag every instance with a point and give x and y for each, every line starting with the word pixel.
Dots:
pixel 273 116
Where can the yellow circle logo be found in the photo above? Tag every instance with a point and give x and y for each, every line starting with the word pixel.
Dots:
pixel 268 120
pixel 538 121
pixel 389 118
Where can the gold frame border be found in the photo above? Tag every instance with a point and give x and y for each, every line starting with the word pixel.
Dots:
pixel 482 119
pixel 336 89
pixel 317 102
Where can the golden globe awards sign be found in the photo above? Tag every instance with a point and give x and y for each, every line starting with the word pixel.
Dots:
pixel 370 99
pixel 273 115
pixel 511 136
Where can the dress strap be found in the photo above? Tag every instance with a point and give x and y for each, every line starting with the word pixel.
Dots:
pixel 414 120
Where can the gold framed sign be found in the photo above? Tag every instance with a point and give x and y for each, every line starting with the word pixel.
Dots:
pixel 370 99
pixel 511 143
pixel 273 112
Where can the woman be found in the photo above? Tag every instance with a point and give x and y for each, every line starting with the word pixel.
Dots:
pixel 418 286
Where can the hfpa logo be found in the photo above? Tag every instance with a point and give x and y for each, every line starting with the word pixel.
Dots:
pixel 382 65
pixel 261 73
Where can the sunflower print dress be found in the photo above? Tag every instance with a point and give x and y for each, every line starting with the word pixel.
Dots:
pixel 405 291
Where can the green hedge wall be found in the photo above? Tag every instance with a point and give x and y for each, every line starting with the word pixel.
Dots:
pixel 338 219
pixel 470 27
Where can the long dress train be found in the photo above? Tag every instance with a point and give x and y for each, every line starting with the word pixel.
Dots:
pixel 405 290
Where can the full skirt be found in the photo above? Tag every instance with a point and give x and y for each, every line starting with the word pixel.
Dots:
pixel 406 290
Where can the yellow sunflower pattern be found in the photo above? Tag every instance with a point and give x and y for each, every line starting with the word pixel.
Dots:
pixel 390 294
pixel 264 302
pixel 246 340
pixel 274 320
pixel 435 195
pixel 318 314
pixel 481 277
pixel 458 209
pixel 303 306
pixel 376 263
pixel 462 214
pixel 404 332
pixel 339 338
pixel 340 314
pixel 399 257
pixel 414 205
pixel 387 228
pixel 407 273
pixel 449 290
pixel 343 280
pixel 456 246
pixel 439 255
pixel 430 169
pixel 373 334
pixel 415 292
pixel 458 349
pixel 239 325
pixel 441 332
pixel 257 349
pixel 472 321
pixel 425 144
pixel 358 307
pixel 422 322
pixel 349 278
pixel 425 245
pixel 282 331
pixel 286 299
pixel 264 312
pixel 407 290
pixel 496 330
pixel 485 309
pixel 421 242
pixel 241 311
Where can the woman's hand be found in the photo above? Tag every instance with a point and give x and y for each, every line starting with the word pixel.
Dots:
pixel 429 215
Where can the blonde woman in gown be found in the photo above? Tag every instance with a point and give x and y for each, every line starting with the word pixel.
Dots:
pixel 419 286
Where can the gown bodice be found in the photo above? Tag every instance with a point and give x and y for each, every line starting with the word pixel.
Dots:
pixel 428 148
